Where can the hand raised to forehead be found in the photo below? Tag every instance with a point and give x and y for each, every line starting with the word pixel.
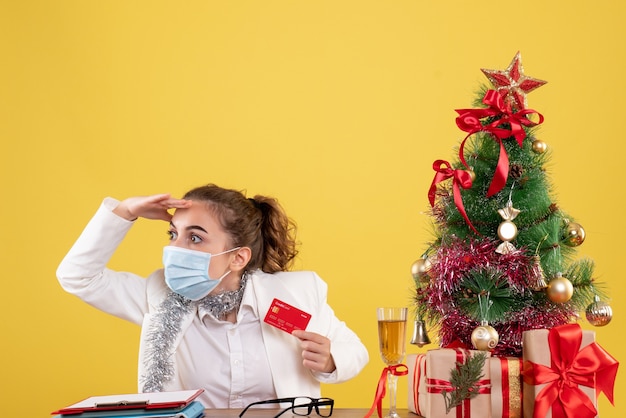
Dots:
pixel 150 207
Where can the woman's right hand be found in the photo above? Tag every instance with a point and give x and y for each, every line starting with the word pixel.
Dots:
pixel 150 207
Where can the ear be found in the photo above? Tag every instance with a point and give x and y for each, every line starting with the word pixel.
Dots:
pixel 241 259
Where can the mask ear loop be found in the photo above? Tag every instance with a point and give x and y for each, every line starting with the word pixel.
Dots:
pixel 224 252
pixel 222 276
pixel 229 271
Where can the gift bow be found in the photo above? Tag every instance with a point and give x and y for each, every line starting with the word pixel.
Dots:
pixel 469 120
pixel 381 389
pixel 570 367
pixel 459 178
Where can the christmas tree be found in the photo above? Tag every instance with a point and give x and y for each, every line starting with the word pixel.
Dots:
pixel 503 257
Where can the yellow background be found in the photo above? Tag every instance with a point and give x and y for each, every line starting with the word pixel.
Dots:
pixel 338 108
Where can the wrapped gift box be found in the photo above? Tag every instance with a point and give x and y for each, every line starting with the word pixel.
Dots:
pixel 416 364
pixel 439 364
pixel 564 370
pixel 506 386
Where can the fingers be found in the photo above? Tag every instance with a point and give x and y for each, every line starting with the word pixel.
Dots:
pixel 150 207
pixel 315 351
pixel 166 200
pixel 178 203
pixel 163 204
pixel 157 197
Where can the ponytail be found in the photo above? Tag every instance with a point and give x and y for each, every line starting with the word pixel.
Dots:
pixel 278 234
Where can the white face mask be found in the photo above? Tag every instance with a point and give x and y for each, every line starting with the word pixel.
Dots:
pixel 187 271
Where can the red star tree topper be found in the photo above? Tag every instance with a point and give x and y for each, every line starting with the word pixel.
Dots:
pixel 512 84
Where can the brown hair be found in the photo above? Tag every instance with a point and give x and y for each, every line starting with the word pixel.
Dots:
pixel 259 223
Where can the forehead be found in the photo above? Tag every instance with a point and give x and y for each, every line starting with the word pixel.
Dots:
pixel 198 214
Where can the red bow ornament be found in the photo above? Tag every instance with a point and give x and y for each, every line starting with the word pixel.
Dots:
pixel 469 120
pixel 570 367
pixel 460 178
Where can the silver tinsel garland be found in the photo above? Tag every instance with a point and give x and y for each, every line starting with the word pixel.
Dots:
pixel 222 303
pixel 161 337
pixel 159 367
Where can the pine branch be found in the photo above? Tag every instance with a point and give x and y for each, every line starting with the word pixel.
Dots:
pixel 464 379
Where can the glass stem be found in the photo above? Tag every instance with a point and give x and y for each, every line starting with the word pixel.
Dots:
pixel 392 389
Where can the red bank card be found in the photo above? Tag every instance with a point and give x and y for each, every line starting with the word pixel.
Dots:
pixel 286 317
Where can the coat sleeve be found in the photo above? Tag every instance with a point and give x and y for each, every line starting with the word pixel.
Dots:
pixel 83 271
pixel 349 353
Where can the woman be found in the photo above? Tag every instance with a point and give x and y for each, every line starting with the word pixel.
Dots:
pixel 202 314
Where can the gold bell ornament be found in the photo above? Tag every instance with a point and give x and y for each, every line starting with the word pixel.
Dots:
pixel 420 337
pixel 538 278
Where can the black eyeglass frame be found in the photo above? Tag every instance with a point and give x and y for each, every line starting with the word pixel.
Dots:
pixel 313 403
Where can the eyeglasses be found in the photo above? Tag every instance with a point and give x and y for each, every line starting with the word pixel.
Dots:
pixel 302 405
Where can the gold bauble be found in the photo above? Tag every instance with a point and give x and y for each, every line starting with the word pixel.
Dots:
pixel 599 313
pixel 574 234
pixel 560 289
pixel 420 267
pixel 507 231
pixel 485 337
pixel 472 174
pixel 539 147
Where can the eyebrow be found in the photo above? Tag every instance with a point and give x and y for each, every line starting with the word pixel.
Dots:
pixel 190 227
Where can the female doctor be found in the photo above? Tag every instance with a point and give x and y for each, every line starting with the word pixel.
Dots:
pixel 202 314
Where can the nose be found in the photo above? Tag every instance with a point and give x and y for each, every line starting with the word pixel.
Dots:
pixel 177 242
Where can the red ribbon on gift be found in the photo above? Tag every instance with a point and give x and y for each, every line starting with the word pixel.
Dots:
pixel 417 379
pixel 506 385
pixel 441 386
pixel 381 389
pixel 469 120
pixel 570 367
pixel 460 178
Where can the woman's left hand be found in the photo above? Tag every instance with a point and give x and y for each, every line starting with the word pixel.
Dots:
pixel 315 351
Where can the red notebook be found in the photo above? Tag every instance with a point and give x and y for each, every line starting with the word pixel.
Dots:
pixel 154 400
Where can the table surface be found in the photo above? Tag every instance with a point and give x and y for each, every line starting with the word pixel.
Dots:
pixel 270 413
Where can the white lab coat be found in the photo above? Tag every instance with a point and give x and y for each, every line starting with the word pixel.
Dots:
pixel 83 273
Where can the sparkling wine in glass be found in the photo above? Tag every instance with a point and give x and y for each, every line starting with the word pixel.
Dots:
pixel 391 338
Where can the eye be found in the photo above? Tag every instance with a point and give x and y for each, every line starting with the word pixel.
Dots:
pixel 172 235
pixel 195 239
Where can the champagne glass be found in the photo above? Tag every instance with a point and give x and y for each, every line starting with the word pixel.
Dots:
pixel 391 338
